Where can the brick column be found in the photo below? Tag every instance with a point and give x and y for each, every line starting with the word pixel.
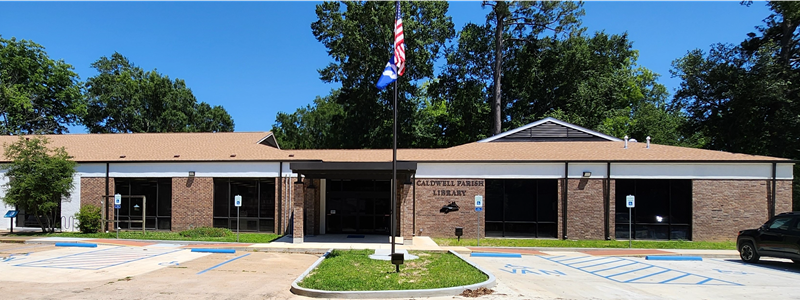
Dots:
pixel 297 212
pixel 406 216
pixel 192 202
pixel 309 204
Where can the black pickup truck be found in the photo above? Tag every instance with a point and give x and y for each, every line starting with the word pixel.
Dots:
pixel 779 237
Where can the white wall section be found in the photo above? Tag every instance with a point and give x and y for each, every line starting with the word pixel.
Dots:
pixel 618 170
pixel 178 169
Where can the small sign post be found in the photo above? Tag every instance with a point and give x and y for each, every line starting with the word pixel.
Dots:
pixel 630 202
pixel 11 214
pixel 238 203
pixel 478 209
pixel 117 206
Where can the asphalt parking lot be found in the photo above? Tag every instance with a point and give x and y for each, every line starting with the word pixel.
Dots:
pixel 579 276
pixel 159 271
pixel 166 271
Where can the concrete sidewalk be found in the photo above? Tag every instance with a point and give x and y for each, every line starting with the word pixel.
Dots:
pixel 321 244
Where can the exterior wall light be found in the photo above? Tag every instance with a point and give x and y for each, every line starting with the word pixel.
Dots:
pixel 191 173
pixel 587 174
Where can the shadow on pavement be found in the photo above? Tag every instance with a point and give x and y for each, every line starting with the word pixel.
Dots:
pixel 780 265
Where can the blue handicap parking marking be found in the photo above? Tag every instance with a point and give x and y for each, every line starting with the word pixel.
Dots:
pixel 513 269
pixel 626 270
pixel 171 263
pixel 99 259
pixel 733 272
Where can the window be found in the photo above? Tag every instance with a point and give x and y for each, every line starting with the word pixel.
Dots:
pixel 780 223
pixel 663 209
pixel 522 207
pixel 257 212
pixel 149 196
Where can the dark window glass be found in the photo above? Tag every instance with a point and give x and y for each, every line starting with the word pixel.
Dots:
pixel 357 206
pixel 149 196
pixel 663 208
pixel 257 212
pixel 521 207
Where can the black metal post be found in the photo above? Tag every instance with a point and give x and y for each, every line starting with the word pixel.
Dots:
pixel 394 166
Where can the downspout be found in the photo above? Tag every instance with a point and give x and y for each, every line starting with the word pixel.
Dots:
pixel 414 204
pixel 774 186
pixel 564 201
pixel 279 229
pixel 607 203
pixel 105 200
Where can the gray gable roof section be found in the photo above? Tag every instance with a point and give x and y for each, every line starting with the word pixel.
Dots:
pixel 550 130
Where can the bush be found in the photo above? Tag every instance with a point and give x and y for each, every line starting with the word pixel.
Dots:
pixel 206 232
pixel 89 218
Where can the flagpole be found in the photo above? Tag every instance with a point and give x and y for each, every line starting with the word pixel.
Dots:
pixel 394 164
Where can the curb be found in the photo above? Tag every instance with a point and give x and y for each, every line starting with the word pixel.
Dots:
pixel 450 291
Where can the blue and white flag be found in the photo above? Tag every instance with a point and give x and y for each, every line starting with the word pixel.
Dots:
pixel 389 75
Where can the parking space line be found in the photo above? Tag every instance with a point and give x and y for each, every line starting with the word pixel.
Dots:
pixel 224 262
pixel 99 259
pixel 675 278
pixel 600 264
pixel 649 273
pixel 626 272
pixel 614 267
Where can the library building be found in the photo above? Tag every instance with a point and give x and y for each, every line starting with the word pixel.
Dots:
pixel 548 179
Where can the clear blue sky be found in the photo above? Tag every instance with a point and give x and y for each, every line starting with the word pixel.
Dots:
pixel 259 58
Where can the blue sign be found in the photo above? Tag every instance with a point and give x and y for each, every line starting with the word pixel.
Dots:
pixel 11 214
pixel 117 206
pixel 479 209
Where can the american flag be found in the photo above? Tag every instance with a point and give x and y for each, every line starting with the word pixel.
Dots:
pixel 399 43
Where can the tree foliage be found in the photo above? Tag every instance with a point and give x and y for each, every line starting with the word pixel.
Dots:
pixel 744 98
pixel 38 178
pixel 524 22
pixel 38 95
pixel 125 98
pixel 359 38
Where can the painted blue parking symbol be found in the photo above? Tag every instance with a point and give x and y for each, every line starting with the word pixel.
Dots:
pixel 626 270
pixel 513 269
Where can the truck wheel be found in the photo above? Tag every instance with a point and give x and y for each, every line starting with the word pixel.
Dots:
pixel 748 252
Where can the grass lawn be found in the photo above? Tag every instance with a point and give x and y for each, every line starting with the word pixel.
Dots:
pixel 353 270
pixel 493 242
pixel 160 235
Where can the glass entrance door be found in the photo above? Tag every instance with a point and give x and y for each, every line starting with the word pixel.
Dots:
pixel 358 206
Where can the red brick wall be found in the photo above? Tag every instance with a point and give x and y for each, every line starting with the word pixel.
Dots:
pixel 585 214
pixel 92 191
pixel 192 202
pixel 431 198
pixel 783 195
pixel 297 209
pixel 723 207
pixel 311 206
pixel 405 201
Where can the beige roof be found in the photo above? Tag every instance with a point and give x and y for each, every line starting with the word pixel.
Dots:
pixel 535 151
pixel 221 146
pixel 218 146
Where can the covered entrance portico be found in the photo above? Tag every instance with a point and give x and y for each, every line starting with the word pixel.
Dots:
pixel 351 198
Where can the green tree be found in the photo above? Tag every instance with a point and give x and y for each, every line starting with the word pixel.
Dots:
pixel 524 22
pixel 125 98
pixel 38 95
pixel 743 98
pixel 38 178
pixel 311 127
pixel 359 38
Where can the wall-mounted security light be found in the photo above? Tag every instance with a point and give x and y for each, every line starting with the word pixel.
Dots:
pixel 191 173
pixel 587 174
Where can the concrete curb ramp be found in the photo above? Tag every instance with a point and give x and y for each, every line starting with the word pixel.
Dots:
pixel 451 291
